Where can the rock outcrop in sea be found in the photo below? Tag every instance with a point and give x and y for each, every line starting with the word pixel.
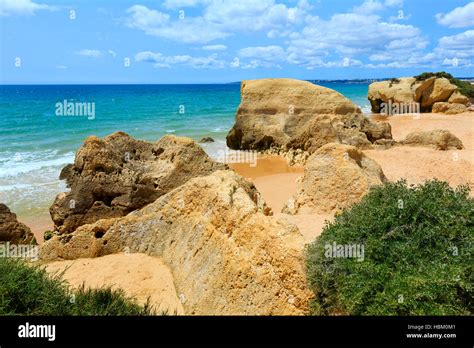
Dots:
pixel 114 176
pixel 227 255
pixel 291 114
pixel 13 231
pixel 434 94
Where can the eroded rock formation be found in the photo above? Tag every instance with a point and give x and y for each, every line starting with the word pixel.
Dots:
pixel 226 254
pixel 13 231
pixel 407 90
pixel 440 139
pixel 113 176
pixel 293 114
pixel 335 177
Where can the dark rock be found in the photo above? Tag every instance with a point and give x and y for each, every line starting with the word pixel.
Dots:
pixel 206 140
pixel 13 231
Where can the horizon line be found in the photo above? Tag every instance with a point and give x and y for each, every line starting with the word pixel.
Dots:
pixel 194 83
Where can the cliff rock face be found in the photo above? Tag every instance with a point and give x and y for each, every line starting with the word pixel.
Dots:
pixel 408 90
pixel 335 176
pixel 439 91
pixel 119 174
pixel 440 139
pixel 226 254
pixel 293 114
pixel 13 231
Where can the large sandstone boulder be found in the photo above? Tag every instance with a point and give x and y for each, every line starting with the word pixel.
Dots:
pixel 408 90
pixel 294 114
pixel 324 129
pixel 13 231
pixel 405 90
pixel 458 98
pixel 226 254
pixel 449 108
pixel 119 174
pixel 440 139
pixel 335 177
pixel 439 91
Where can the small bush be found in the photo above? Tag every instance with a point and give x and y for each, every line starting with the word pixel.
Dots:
pixel 418 248
pixel 426 75
pixel 29 290
pixel 394 80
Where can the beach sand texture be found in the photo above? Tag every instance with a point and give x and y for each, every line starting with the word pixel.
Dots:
pixel 140 276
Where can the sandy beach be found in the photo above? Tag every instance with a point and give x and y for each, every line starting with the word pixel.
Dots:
pixel 277 181
pixel 417 164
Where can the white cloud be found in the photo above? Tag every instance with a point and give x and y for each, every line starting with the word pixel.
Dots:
pixel 187 30
pixel 62 67
pixel 460 17
pixel 462 41
pixel 219 19
pixel 269 53
pixel 173 4
pixel 256 63
pixel 456 46
pixel 304 40
pixel 161 61
pixel 263 57
pixel 89 53
pixel 21 7
pixel 393 3
pixel 451 51
pixel 214 48
pixel 144 18
pixel 112 53
pixel 351 34
pixel 369 7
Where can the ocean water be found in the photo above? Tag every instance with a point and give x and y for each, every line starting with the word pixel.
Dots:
pixel 36 142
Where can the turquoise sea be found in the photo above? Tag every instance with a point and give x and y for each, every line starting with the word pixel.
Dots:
pixel 35 143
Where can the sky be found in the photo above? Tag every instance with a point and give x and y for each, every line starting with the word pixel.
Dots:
pixel 220 41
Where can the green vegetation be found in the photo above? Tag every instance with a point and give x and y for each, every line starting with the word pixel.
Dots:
pixel 464 87
pixel 418 249
pixel 28 290
pixel 394 80
pixel 48 235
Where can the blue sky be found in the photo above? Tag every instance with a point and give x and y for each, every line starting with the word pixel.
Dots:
pixel 206 41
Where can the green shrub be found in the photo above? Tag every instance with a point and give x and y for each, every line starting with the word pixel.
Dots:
pixel 29 290
pixel 464 87
pixel 48 235
pixel 394 80
pixel 418 248
pixel 426 75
